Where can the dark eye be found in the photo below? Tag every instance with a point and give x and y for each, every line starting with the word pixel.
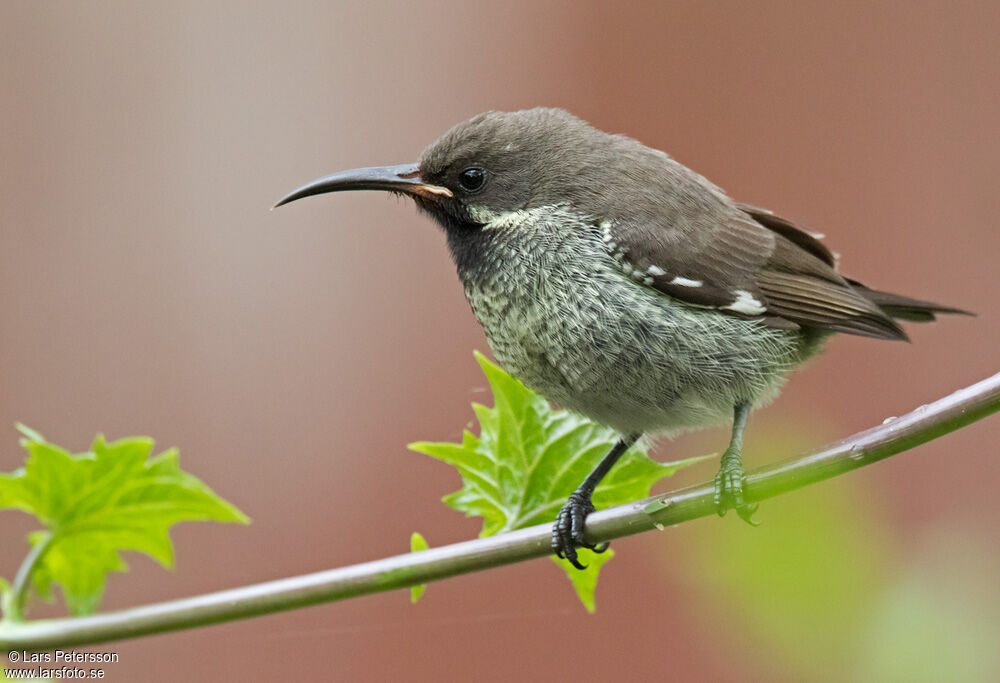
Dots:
pixel 472 178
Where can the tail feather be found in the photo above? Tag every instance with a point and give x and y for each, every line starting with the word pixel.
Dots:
pixel 904 307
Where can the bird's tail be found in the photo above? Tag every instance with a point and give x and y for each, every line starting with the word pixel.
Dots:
pixel 905 308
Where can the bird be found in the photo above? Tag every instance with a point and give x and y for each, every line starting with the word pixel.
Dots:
pixel 624 286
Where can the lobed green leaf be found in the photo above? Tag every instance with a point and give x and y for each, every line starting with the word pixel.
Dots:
pixel 528 458
pixel 94 505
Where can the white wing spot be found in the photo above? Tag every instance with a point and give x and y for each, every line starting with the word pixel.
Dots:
pixel 656 271
pixel 745 303
pixel 685 282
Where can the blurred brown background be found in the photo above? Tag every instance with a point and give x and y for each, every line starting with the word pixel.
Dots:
pixel 291 356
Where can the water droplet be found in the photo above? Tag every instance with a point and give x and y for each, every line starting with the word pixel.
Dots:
pixel 857 452
pixel 888 419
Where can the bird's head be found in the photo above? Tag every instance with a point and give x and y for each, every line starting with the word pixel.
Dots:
pixel 487 167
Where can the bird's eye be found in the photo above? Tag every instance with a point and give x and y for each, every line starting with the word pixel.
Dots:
pixel 472 178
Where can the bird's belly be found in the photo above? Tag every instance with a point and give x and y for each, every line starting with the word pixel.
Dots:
pixel 627 356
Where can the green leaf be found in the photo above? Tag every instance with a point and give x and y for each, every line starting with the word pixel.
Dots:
pixel 585 581
pixel 417 543
pixel 96 504
pixel 528 458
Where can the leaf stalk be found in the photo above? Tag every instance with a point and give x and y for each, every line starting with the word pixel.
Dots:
pixel 22 580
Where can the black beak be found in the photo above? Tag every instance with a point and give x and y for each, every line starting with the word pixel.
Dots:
pixel 403 178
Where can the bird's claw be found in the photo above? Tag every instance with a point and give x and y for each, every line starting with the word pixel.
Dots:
pixel 729 493
pixel 567 531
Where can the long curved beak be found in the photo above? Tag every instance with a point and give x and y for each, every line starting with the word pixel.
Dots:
pixel 403 178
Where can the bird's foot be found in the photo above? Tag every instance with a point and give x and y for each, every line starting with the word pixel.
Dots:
pixel 729 488
pixel 567 532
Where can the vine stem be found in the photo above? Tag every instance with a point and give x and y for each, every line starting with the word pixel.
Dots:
pixel 864 448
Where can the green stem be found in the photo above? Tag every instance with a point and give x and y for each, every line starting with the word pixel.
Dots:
pixel 900 434
pixel 22 581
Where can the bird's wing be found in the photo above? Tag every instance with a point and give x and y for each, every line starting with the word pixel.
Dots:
pixel 706 251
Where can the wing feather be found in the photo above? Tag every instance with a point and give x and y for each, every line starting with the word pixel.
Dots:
pixel 746 261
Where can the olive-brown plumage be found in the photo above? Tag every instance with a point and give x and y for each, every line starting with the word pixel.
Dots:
pixel 625 286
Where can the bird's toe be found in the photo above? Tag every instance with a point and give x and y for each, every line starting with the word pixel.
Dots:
pixel 568 530
pixel 729 493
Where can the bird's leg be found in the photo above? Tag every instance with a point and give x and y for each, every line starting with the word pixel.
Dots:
pixel 729 480
pixel 567 532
